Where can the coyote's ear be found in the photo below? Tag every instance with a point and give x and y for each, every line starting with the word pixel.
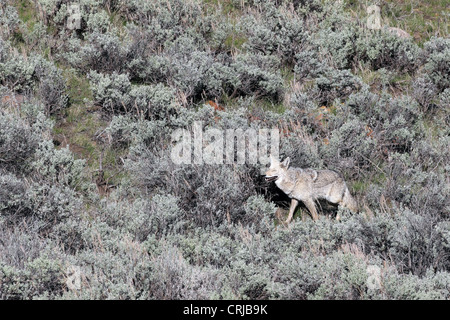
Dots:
pixel 286 162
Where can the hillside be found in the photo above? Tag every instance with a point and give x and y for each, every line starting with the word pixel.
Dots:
pixel 94 92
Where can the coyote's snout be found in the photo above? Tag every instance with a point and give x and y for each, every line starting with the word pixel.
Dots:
pixel 308 185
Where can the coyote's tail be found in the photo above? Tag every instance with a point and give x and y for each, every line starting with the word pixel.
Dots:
pixel 349 202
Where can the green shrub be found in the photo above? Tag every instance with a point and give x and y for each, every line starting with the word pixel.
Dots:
pixel 437 62
pixel 274 30
pixel 115 93
pixel 51 86
pixel 57 166
pixel 382 49
pixel 9 20
pixel 16 73
pixel 257 75
pixel 13 199
pixel 18 142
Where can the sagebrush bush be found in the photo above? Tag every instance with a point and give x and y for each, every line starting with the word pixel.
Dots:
pixel 13 199
pixel 51 86
pixel 437 62
pixel 350 146
pixel 98 22
pixel 257 74
pixel 309 65
pixel 190 281
pixel 444 97
pixel 206 192
pixel 335 84
pixel 382 49
pixel 18 142
pixel 424 91
pixel 9 20
pixel 188 66
pixel 16 73
pixel 339 44
pixel 274 30
pixel 41 278
pixel 34 73
pixel 167 19
pixel 103 52
pixel 57 166
pixel 116 94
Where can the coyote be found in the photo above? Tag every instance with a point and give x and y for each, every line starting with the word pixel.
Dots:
pixel 308 185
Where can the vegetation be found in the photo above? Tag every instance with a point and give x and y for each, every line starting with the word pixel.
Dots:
pixel 93 207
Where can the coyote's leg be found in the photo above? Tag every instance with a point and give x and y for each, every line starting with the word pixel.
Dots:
pixel 309 203
pixel 347 202
pixel 294 204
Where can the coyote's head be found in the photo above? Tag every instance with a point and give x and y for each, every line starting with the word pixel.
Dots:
pixel 277 169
